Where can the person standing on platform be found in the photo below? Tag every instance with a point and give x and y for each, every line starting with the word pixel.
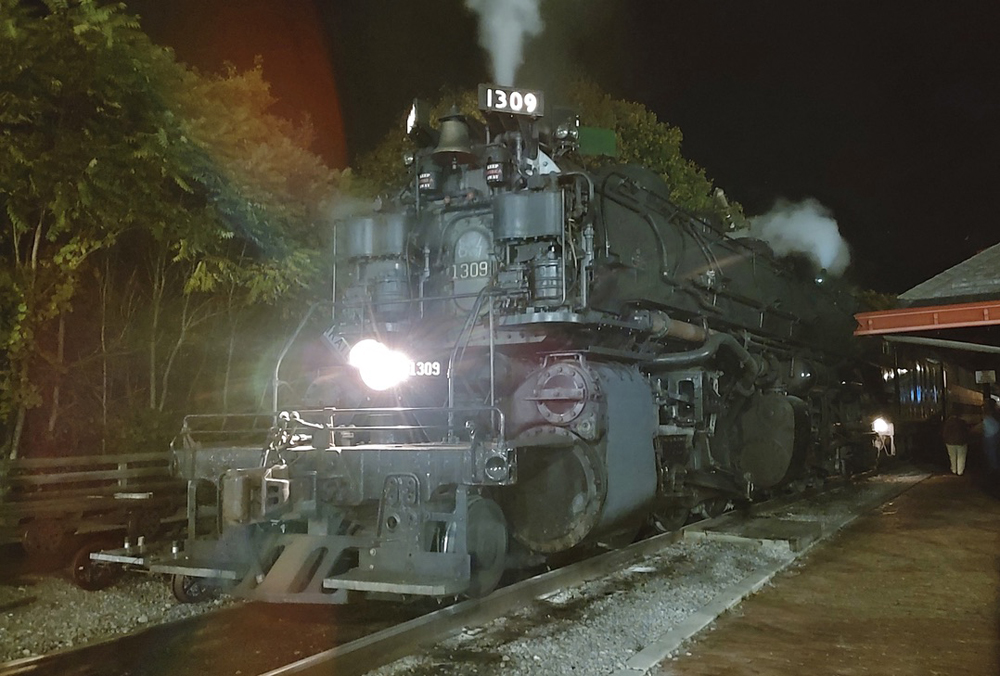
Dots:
pixel 956 440
pixel 991 435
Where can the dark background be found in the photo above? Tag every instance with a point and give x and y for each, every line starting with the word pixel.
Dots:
pixel 887 112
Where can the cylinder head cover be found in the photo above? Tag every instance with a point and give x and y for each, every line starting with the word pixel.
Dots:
pixel 775 433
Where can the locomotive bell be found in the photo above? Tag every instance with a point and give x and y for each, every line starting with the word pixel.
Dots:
pixel 454 143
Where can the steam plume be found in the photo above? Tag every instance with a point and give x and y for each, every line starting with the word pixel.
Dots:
pixel 503 25
pixel 807 228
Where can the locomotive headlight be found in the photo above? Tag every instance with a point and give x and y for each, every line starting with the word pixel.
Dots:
pixel 882 426
pixel 569 130
pixel 364 352
pixel 390 371
pixel 380 368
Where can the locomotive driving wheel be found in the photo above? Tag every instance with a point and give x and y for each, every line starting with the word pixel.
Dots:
pixel 487 544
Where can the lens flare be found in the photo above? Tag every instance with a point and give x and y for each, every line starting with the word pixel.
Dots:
pixel 380 367
pixel 881 426
pixel 365 351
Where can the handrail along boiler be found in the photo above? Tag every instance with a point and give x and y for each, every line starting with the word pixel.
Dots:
pixel 530 357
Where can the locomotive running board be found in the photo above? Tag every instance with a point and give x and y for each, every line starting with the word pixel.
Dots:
pixel 180 565
pixel 400 572
pixel 371 581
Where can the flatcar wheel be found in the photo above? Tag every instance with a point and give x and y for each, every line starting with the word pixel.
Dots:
pixel 667 520
pixel 487 543
pixel 188 589
pixel 94 575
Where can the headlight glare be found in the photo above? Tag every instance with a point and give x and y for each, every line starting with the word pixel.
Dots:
pixel 380 368
pixel 365 351
pixel 881 426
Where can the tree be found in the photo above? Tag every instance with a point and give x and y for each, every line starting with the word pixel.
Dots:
pixel 83 142
pixel 132 182
pixel 644 139
pixel 271 242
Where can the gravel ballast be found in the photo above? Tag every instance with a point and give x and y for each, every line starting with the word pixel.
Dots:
pixel 593 628
pixel 45 613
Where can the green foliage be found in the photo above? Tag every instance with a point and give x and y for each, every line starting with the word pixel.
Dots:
pixel 79 155
pixel 180 194
pixel 251 151
pixel 644 139
pixel 874 301
pixel 137 430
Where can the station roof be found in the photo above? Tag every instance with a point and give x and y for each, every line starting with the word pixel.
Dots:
pixel 965 295
pixel 977 278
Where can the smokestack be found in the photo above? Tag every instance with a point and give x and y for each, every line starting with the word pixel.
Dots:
pixel 503 25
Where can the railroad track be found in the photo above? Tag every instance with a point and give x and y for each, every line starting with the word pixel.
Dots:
pixel 307 640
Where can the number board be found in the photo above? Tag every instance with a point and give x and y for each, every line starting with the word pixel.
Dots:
pixel 511 100
pixel 425 369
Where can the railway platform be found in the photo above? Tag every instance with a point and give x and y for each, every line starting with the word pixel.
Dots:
pixel 909 588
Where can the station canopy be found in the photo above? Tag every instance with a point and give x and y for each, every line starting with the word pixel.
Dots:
pixel 958 309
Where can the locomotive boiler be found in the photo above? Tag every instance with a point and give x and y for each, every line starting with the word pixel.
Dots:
pixel 526 358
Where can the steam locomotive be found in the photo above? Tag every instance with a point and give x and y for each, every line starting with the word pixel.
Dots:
pixel 526 358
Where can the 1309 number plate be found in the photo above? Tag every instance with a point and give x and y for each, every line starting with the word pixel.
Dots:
pixel 471 270
pixel 425 368
pixel 511 100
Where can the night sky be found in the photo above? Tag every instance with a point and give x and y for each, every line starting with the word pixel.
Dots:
pixel 887 112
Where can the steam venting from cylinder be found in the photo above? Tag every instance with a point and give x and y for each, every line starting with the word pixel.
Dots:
pixel 807 228
pixel 503 25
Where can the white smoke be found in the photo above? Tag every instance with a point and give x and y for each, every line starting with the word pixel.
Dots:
pixel 503 25
pixel 340 206
pixel 807 228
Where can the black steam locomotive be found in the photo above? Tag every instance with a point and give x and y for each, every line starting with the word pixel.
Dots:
pixel 526 358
